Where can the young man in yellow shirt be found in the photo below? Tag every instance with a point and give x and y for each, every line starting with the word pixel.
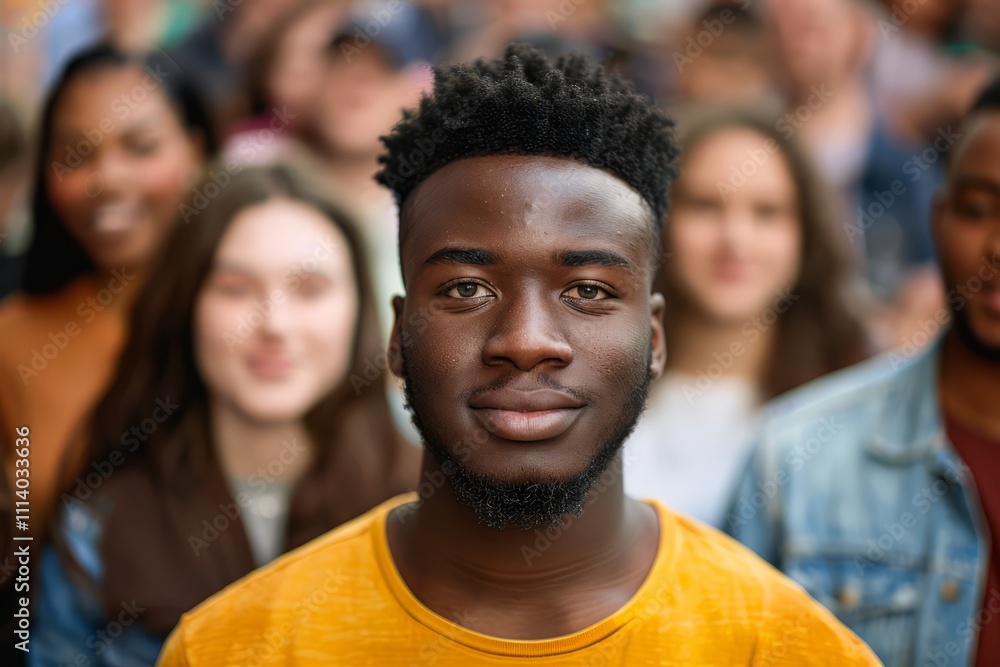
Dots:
pixel 531 200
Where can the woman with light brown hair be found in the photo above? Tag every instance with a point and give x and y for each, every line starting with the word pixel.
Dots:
pixel 237 426
pixel 757 279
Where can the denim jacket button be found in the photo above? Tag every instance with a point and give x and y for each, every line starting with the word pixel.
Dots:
pixel 949 591
pixel 848 597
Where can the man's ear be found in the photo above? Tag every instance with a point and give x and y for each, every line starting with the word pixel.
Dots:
pixel 395 338
pixel 658 338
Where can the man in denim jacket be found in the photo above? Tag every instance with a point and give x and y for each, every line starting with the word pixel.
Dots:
pixel 878 488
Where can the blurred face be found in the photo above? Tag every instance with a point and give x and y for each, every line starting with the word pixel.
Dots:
pixel 733 252
pixel 528 332
pixel 967 235
pixel 816 41
pixel 362 100
pixel 296 75
pixel 120 163
pixel 274 323
pixel 726 73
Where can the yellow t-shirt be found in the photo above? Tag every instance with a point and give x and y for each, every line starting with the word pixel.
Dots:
pixel 339 600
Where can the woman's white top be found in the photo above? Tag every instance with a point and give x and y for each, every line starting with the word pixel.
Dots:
pixel 692 444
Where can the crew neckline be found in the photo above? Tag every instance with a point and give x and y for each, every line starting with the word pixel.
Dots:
pixel 646 600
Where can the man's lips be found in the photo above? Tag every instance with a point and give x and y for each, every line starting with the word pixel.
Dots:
pixel 526 416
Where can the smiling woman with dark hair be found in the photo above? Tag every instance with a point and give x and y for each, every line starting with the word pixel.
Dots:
pixel 236 426
pixel 122 140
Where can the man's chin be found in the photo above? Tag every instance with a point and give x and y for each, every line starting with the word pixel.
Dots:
pixel 982 346
pixel 525 506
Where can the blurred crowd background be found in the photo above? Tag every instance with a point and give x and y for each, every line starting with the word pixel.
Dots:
pixel 868 89
pixel 814 133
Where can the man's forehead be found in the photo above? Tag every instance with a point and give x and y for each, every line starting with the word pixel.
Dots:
pixel 525 193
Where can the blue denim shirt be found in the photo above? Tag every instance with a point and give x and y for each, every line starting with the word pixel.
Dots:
pixel 72 626
pixel 855 492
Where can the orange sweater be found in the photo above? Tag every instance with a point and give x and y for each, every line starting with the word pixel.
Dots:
pixel 57 355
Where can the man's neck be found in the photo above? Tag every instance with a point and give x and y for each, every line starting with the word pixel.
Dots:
pixel 970 386
pixel 524 584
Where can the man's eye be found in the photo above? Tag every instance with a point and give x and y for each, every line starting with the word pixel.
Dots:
pixel 467 291
pixel 588 293
pixel 974 209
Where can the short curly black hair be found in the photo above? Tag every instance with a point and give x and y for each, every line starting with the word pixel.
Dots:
pixel 523 104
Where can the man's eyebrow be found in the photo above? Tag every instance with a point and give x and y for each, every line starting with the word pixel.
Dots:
pixel 475 256
pixel 977 182
pixel 589 257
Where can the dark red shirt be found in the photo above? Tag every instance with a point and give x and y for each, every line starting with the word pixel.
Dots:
pixel 982 455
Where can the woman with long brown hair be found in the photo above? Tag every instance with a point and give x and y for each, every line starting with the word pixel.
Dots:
pixel 757 279
pixel 238 425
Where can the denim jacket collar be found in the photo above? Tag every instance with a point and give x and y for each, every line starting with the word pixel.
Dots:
pixel 912 423
pixel 912 427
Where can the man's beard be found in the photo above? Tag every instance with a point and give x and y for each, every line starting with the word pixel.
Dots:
pixel 534 503
pixel 968 337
